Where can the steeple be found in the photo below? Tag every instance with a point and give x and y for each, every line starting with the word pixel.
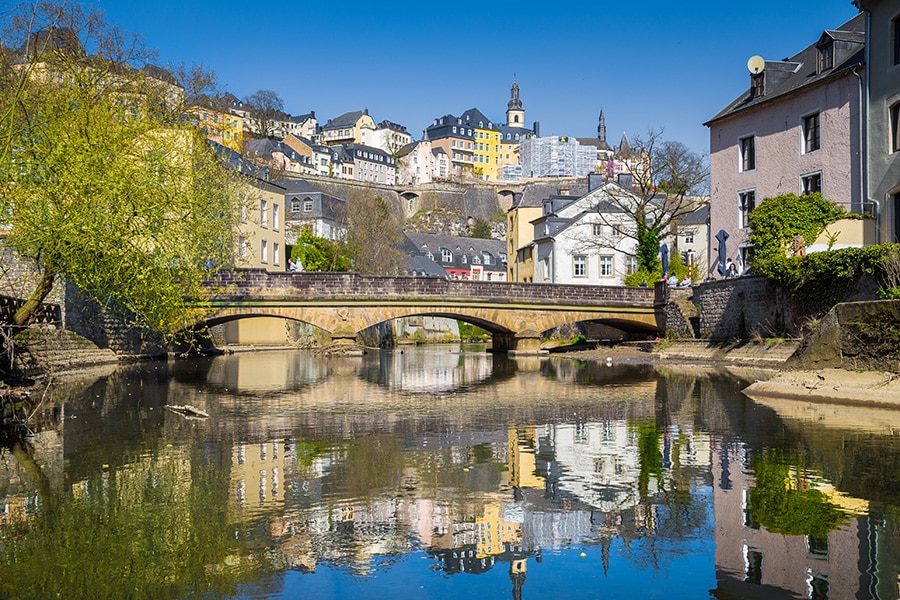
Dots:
pixel 604 151
pixel 515 114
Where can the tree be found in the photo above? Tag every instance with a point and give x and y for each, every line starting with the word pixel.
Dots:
pixel 374 234
pixel 666 178
pixel 98 183
pixel 267 106
pixel 480 229
pixel 319 254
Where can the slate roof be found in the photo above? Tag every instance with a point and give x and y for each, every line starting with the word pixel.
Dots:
pixel 422 266
pixel 534 193
pixel 697 217
pixel 345 120
pixel 800 71
pixel 421 243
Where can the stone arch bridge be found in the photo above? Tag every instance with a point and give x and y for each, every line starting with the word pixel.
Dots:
pixel 344 304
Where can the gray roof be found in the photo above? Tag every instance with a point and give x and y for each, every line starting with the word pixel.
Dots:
pixel 534 194
pixel 420 243
pixel 787 76
pixel 422 266
pixel 345 120
pixel 697 217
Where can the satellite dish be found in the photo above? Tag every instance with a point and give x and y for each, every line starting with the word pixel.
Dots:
pixel 756 64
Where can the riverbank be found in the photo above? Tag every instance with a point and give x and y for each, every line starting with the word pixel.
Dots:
pixel 834 386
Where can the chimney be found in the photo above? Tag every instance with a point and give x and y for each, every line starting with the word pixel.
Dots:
pixel 537 129
pixel 595 180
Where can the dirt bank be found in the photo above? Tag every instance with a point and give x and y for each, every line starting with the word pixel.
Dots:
pixel 836 386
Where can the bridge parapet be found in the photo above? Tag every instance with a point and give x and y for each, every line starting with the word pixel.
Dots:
pixel 259 284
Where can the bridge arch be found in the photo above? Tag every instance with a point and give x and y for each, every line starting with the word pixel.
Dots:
pixel 344 304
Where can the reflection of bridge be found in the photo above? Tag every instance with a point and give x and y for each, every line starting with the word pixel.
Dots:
pixel 343 304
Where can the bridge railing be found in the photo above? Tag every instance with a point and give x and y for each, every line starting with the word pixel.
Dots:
pixel 259 284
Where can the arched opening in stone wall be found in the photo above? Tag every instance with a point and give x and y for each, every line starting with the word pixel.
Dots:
pixel 264 330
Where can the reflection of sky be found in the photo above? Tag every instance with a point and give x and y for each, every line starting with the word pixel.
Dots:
pixel 690 574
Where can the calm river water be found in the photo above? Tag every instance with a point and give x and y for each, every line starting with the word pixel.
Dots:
pixel 442 472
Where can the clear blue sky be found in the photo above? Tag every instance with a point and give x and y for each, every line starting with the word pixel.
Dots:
pixel 666 65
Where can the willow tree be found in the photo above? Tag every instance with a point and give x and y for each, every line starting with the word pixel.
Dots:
pixel 100 181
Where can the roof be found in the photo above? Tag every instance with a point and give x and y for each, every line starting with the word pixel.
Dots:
pixel 800 71
pixel 534 194
pixel 697 217
pixel 345 120
pixel 420 243
pixel 422 266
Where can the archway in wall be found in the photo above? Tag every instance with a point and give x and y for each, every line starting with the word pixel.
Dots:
pixel 264 330
pixel 429 328
pixel 410 202
pixel 505 199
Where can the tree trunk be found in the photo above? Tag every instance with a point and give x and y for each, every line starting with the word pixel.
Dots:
pixel 26 314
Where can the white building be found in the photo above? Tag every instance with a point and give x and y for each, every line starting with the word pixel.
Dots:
pixel 556 156
pixel 583 240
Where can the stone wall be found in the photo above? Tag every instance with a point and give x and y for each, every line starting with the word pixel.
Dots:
pixel 734 309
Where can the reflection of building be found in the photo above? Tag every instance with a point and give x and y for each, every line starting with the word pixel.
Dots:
pixel 754 563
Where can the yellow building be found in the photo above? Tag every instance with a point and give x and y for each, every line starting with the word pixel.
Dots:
pixel 219 126
pixel 260 243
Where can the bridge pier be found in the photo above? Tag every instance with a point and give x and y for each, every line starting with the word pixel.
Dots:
pixel 343 336
pixel 522 343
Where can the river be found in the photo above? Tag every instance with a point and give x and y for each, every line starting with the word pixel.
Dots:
pixel 444 472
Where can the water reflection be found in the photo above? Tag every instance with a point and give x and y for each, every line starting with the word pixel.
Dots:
pixel 435 473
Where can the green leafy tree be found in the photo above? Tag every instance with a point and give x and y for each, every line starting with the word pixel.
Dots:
pixel 98 182
pixel 481 229
pixel 319 254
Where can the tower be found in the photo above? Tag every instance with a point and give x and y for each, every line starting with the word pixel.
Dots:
pixel 515 114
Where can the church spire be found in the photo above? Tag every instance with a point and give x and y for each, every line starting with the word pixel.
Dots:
pixel 515 114
pixel 601 128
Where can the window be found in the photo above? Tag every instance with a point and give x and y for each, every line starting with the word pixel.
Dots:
pixel 579 266
pixel 631 265
pixel 242 248
pixel 747 203
pixel 895 127
pixel 275 259
pixel 748 153
pixel 688 237
pixel 307 205
pixel 598 229
pixel 486 257
pixel 752 565
pixel 264 251
pixel 811 183
pixel 826 57
pixel 811 135
pixel 895 25
pixel 606 266
pixel 263 213
pixel 276 218
pixel 465 259
pixel 446 255
pixel 295 205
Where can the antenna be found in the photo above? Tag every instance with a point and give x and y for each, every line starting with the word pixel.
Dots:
pixel 756 64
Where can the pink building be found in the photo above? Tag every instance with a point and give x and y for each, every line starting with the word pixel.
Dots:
pixel 796 129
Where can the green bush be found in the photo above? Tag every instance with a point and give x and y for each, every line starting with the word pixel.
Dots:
pixel 776 221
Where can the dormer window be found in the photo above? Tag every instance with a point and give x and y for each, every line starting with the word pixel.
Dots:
pixel 826 57
pixel 757 85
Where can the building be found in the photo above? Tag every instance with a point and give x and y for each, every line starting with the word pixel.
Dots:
pixel 461 257
pixel 260 237
pixel 218 126
pixel 308 207
pixel 587 240
pixel 477 146
pixel 881 136
pixel 795 129
pixel 527 207
pixel 280 158
pixel 691 240
pixel 419 162
pixel 604 150
pixel 371 164
pixel 390 137
pixel 556 156
pixel 349 128
pixel 319 155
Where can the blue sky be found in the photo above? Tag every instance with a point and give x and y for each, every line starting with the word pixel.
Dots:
pixel 652 64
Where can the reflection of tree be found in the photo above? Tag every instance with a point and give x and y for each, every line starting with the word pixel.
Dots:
pixel 786 504
pixel 150 530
